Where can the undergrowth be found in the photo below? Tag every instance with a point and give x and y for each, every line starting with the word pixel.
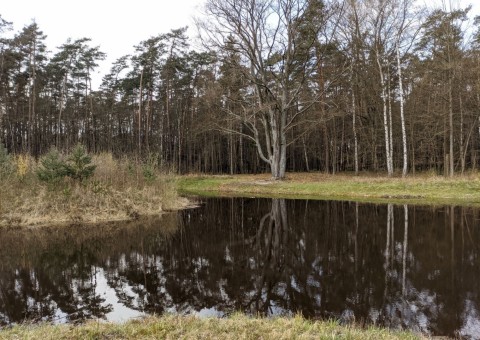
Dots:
pixel 109 189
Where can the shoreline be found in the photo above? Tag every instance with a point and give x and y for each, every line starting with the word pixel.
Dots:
pixel 189 327
pixel 32 211
pixel 89 218
pixel 367 188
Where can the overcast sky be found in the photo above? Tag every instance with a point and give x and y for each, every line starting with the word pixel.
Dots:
pixel 115 26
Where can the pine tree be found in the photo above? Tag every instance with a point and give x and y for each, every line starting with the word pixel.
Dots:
pixel 79 165
pixel 53 167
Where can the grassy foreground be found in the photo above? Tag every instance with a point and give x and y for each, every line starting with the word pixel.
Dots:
pixel 178 327
pixel 426 189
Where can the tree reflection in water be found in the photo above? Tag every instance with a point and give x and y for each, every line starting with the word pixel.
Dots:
pixel 395 266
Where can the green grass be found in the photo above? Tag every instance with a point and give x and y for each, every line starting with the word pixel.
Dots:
pixel 464 190
pixel 178 327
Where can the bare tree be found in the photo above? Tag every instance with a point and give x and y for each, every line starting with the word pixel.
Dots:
pixel 276 41
pixel 382 21
pixel 406 35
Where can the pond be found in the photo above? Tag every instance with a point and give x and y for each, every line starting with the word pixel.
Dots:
pixel 396 266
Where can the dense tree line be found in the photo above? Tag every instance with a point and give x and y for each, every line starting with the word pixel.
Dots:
pixel 280 85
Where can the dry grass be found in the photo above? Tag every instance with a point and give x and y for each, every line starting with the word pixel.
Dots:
pixel 118 191
pixel 178 327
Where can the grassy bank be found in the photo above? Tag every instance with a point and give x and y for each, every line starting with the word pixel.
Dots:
pixel 427 189
pixel 177 327
pixel 119 189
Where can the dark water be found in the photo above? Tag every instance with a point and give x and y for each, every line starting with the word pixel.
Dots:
pixel 412 268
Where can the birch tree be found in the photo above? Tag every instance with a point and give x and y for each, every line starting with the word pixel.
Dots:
pixel 381 22
pixel 406 32
pixel 389 24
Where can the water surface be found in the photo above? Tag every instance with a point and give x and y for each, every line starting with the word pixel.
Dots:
pixel 401 267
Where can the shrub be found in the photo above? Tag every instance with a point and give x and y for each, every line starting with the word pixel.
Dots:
pixel 79 164
pixel 150 167
pixel 22 165
pixel 53 167
pixel 5 162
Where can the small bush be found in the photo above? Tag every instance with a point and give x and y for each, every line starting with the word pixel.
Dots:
pixel 79 164
pixel 23 165
pixel 53 167
pixel 150 168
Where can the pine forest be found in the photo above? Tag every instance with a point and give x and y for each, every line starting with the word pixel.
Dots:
pixel 271 86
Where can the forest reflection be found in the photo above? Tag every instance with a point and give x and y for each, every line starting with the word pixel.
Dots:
pixel 408 267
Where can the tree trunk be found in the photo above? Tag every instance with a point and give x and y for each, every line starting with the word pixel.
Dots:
pixel 355 138
pixel 139 127
pixel 462 139
pixel 60 112
pixel 32 97
pixel 390 121
pixel 385 118
pixel 450 125
pixel 305 153
pixel 402 114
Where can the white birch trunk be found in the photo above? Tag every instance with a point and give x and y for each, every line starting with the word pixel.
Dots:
pixel 390 122
pixel 385 116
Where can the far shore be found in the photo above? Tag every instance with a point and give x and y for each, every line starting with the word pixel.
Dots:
pixel 419 189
